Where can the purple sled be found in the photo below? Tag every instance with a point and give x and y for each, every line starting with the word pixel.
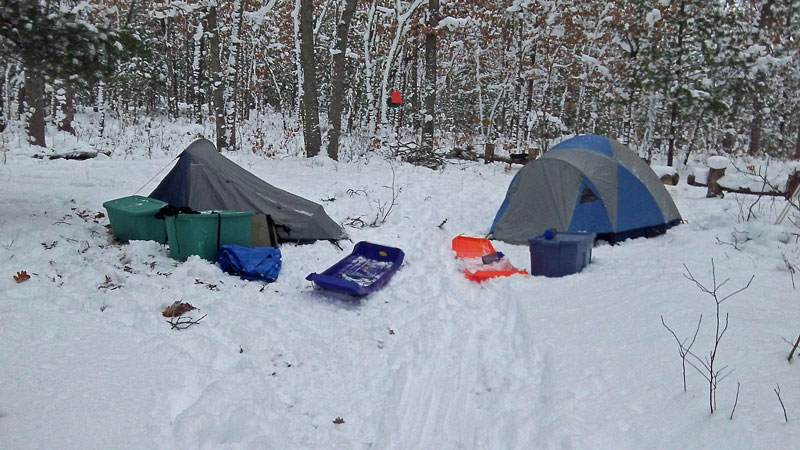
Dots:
pixel 366 269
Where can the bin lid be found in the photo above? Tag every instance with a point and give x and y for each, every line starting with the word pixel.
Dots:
pixel 215 215
pixel 135 205
pixel 234 214
pixel 562 237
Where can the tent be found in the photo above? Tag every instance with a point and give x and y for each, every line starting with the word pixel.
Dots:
pixel 203 179
pixel 587 183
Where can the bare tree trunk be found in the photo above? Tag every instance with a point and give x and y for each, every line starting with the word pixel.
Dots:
pixel 129 16
pixel 219 81
pixel 3 105
pixel 172 100
pixel 428 123
pixel 673 128
pixel 758 119
pixel 21 101
pixel 797 145
pixel 414 89
pixel 310 106
pixel 34 105
pixel 100 105
pixel 337 83
pixel 755 126
pixel 197 70
pixel 234 62
pixel 67 111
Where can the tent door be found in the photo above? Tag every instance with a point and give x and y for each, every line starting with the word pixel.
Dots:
pixel 263 232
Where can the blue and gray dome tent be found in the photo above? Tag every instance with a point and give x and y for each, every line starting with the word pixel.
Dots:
pixel 586 183
pixel 203 179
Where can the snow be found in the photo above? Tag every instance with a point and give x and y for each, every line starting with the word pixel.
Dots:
pixel 431 360
pixel 663 170
pixel 652 17
pixel 717 162
pixel 701 175
pixel 595 64
pixel 454 23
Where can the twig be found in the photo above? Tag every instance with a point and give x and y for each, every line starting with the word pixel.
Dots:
pixel 794 349
pixel 791 268
pixel 777 391
pixel 736 402
pixel 682 349
pixel 382 212
pixel 713 375
pixel 181 323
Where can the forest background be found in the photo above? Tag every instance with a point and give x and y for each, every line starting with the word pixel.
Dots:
pixel 667 77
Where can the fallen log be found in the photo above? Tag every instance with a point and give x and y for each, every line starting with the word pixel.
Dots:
pixel 78 156
pixel 690 180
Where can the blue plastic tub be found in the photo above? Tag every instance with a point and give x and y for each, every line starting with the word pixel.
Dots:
pixel 367 268
pixel 560 253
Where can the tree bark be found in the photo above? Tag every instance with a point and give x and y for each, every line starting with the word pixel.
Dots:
pixel 714 189
pixel 310 106
pixel 234 62
pixel 337 83
pixel 198 49
pixel 673 128
pixel 100 106
pixel 67 111
pixel 34 105
pixel 758 119
pixel 129 16
pixel 797 145
pixel 172 100
pixel 413 89
pixel 219 82
pixel 3 101
pixel 755 126
pixel 428 122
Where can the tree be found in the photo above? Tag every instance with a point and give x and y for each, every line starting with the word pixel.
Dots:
pixel 764 21
pixel 429 90
pixel 55 43
pixel 338 78
pixel 234 69
pixel 312 136
pixel 216 73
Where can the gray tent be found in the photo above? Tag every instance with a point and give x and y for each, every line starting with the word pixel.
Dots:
pixel 203 179
pixel 587 183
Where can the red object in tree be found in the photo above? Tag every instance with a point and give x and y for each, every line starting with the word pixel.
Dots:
pixel 397 98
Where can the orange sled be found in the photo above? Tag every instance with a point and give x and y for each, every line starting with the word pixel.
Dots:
pixel 471 249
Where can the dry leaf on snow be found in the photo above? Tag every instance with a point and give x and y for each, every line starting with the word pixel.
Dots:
pixel 21 276
pixel 176 309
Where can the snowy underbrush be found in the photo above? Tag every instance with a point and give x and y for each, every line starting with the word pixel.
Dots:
pixel 432 360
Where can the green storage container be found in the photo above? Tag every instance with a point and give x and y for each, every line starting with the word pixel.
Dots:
pixel 236 227
pixel 133 218
pixel 202 234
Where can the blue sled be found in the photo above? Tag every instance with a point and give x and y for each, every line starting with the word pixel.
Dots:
pixel 366 269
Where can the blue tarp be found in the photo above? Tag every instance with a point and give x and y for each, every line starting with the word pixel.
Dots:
pixel 250 263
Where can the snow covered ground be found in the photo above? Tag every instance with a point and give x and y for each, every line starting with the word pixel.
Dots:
pixel 431 361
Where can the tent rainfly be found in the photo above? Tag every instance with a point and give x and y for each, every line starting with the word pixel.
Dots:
pixel 203 180
pixel 587 183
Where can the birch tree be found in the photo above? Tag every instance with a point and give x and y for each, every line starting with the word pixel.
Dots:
pixel 218 88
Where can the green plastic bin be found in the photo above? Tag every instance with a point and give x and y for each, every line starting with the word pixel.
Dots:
pixel 202 234
pixel 133 218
